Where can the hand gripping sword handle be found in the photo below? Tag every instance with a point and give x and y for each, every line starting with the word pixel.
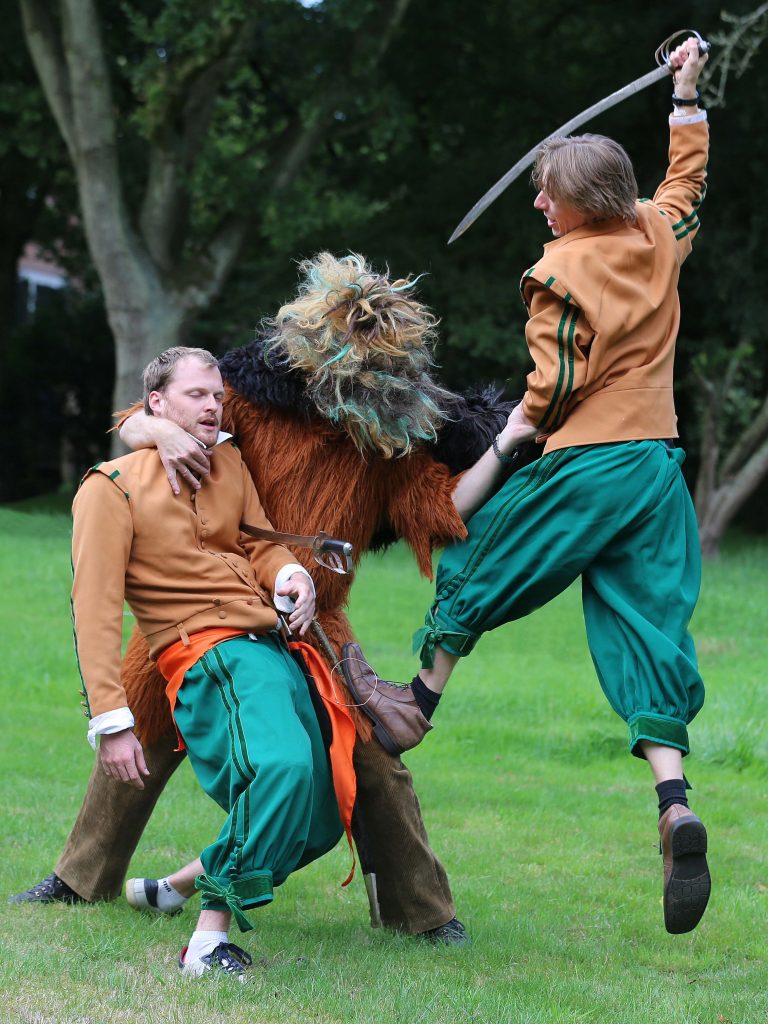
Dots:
pixel 664 50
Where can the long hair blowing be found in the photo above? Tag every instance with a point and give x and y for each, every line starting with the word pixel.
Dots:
pixel 364 345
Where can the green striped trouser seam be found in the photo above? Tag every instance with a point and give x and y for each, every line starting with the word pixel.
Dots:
pixel 234 812
pixel 488 539
pixel 211 673
pixel 244 808
pixel 558 397
pixel 240 758
pixel 236 711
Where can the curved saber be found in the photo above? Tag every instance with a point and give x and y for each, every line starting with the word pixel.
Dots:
pixel 576 122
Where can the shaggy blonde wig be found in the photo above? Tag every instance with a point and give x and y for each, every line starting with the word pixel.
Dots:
pixel 364 345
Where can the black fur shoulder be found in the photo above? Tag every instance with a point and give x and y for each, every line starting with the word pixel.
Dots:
pixel 272 383
pixel 475 417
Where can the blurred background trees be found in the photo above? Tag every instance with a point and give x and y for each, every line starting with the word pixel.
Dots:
pixel 177 158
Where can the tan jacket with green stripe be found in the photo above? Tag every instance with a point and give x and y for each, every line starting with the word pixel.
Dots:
pixel 179 560
pixel 604 312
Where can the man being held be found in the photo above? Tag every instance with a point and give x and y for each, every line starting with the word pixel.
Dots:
pixel 607 500
pixel 199 590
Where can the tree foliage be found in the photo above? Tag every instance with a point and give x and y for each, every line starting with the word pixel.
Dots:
pixel 216 143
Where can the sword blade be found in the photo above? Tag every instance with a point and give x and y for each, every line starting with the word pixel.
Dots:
pixel 576 122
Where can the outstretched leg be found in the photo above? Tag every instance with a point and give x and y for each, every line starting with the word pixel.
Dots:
pixel 111 821
pixel 413 891
pixel 106 832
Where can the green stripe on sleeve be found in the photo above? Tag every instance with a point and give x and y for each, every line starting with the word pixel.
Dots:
pixel 572 313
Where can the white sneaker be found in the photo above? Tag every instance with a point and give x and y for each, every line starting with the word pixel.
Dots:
pixel 144 893
pixel 226 957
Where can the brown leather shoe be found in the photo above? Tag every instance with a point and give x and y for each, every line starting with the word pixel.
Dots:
pixel 686 875
pixel 397 719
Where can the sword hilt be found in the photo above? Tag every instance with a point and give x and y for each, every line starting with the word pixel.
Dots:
pixel 333 554
pixel 664 50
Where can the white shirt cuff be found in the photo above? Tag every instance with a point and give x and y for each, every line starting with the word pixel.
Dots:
pixel 700 115
pixel 283 603
pixel 109 722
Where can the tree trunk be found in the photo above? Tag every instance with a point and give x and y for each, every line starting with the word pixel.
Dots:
pixel 139 259
pixel 722 503
pixel 140 333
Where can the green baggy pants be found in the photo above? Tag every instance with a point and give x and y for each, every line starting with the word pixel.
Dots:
pixel 254 743
pixel 620 516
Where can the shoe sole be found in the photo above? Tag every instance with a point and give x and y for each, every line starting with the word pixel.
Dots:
pixel 686 894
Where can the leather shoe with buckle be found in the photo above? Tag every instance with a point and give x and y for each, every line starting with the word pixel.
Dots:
pixel 397 719
pixel 686 876
pixel 51 890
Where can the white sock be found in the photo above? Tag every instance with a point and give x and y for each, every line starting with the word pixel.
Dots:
pixel 199 946
pixel 168 898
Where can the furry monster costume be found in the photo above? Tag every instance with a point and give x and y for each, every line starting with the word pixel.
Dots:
pixel 343 430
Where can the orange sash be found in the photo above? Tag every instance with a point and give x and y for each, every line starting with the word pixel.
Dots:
pixel 342 744
pixel 175 661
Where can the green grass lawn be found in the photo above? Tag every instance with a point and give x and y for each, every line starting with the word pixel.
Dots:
pixel 545 824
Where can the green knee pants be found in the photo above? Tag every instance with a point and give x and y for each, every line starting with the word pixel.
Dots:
pixel 253 740
pixel 619 516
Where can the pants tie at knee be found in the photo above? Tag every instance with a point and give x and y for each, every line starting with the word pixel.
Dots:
pixel 243 893
pixel 432 635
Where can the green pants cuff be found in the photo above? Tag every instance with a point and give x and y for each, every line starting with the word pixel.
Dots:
pixel 669 732
pixel 440 631
pixel 244 893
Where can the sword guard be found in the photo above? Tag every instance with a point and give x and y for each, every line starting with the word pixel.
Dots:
pixel 333 554
pixel 664 50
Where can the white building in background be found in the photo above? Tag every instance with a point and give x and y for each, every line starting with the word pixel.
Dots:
pixel 35 275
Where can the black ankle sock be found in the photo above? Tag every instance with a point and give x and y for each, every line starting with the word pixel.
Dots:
pixel 426 699
pixel 671 792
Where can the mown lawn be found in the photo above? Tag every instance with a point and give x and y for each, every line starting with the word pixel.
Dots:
pixel 545 824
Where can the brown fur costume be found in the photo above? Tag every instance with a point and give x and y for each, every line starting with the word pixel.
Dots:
pixel 343 430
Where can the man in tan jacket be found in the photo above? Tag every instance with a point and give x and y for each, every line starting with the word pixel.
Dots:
pixel 607 500
pixel 204 596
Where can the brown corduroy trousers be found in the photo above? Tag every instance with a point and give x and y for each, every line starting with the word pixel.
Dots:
pixel 413 890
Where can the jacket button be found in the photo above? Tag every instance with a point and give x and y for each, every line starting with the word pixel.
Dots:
pixel 222 614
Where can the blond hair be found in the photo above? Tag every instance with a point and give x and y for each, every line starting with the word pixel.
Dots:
pixel 591 173
pixel 158 373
